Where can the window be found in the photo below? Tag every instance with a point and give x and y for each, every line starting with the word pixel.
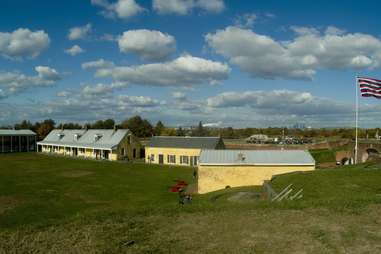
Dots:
pixel 194 160
pixel 184 159
pixel 81 150
pixel 122 152
pixel 171 158
pixel 152 157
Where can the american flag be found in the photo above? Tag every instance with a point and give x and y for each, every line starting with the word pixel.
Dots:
pixel 369 87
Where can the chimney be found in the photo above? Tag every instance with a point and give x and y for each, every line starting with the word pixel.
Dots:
pixel 241 157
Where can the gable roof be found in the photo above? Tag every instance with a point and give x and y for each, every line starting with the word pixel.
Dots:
pixel 107 139
pixel 185 142
pixel 256 157
pixel 24 132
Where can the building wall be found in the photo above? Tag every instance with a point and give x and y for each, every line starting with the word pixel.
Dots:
pixel 125 149
pixel 170 151
pixel 212 178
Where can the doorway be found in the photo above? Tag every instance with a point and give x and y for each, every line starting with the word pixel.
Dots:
pixel 161 159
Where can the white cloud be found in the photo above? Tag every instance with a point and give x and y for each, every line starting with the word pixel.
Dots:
pixel 183 7
pixel 97 90
pixel 122 9
pixel 23 43
pixel 12 83
pixel 148 44
pixel 75 50
pixel 97 64
pixel 178 95
pixel 300 58
pixel 282 102
pixel 79 32
pixel 245 20
pixel 183 71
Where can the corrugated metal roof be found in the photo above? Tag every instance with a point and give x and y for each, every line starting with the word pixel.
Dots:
pixel 107 139
pixel 256 157
pixel 184 142
pixel 4 132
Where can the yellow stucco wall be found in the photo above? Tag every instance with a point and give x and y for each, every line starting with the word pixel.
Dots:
pixel 170 151
pixel 212 178
pixel 128 144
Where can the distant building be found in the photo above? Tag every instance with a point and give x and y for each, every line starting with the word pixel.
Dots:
pixel 219 169
pixel 179 150
pixel 93 143
pixel 17 141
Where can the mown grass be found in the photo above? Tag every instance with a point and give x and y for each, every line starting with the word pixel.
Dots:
pixel 323 155
pixel 62 205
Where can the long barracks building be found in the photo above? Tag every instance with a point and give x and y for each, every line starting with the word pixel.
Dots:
pixel 93 143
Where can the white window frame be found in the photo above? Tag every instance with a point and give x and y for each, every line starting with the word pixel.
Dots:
pixel 171 159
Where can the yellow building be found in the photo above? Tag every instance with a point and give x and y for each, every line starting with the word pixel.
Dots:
pixel 183 151
pixel 219 169
pixel 93 143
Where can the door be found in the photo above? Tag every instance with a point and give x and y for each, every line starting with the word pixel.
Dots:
pixel 161 159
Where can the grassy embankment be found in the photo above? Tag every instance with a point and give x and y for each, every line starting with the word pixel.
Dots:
pixel 61 205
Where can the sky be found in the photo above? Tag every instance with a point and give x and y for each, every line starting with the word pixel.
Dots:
pixel 226 63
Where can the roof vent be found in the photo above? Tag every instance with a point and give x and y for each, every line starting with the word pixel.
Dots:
pixel 241 157
pixel 97 137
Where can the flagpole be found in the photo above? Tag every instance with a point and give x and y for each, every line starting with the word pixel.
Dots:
pixel 357 119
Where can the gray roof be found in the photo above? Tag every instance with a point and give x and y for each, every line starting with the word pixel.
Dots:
pixel 256 157
pixel 108 139
pixel 184 142
pixel 16 133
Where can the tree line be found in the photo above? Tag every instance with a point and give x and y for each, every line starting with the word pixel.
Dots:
pixel 143 128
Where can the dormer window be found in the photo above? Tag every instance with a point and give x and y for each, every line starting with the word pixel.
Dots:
pixel 97 137
pixel 77 136
pixel 60 135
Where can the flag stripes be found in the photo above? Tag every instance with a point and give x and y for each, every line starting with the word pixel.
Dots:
pixel 369 87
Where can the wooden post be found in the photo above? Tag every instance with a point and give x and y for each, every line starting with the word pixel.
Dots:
pixel 2 144
pixel 11 143
pixel 27 143
pixel 19 143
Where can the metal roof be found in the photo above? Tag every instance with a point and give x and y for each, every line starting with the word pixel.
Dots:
pixel 185 142
pixel 93 138
pixel 256 157
pixel 25 132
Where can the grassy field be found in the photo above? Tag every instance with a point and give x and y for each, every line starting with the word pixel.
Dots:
pixel 61 205
pixel 323 155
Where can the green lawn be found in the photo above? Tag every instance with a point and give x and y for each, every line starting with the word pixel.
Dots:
pixel 62 205
pixel 323 155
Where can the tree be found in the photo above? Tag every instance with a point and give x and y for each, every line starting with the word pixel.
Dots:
pixel 180 132
pixel 159 128
pixel 24 125
pixel 199 131
pixel 70 126
pixel 138 126
pixel 45 127
pixel 100 124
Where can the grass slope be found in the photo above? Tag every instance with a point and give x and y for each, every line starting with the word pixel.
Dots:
pixel 323 155
pixel 61 205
